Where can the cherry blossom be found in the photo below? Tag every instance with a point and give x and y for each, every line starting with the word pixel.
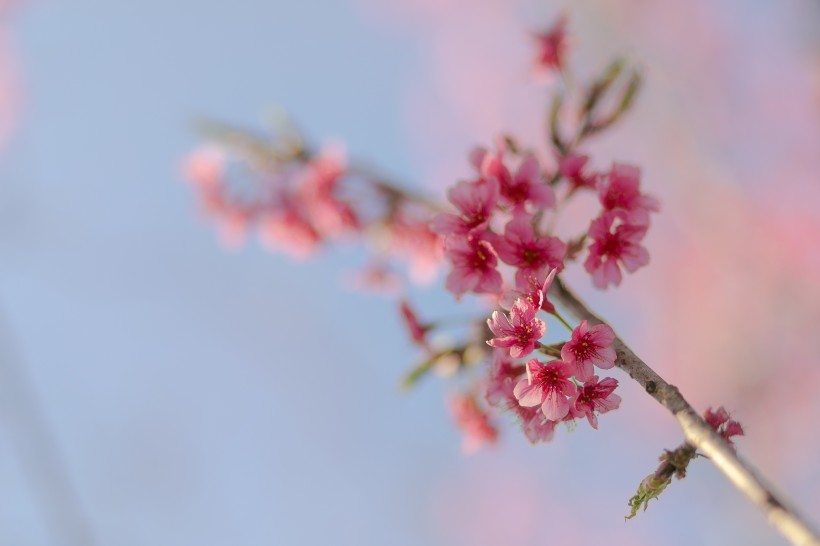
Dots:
pixel 526 186
pixel 520 332
pixel 504 374
pixel 475 202
pixel 614 242
pixel 533 291
pixel 318 189
pixel 595 397
pixel 551 46
pixel 532 255
pixel 473 422
pixel 411 239
pixel 290 231
pixel 589 347
pixel 547 385
pixel 474 264
pixel 573 168
pixel 620 190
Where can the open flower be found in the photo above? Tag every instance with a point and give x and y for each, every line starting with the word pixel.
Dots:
pixel 475 202
pixel 551 46
pixel 589 347
pixel 547 385
pixel 520 332
pixel 474 266
pixel 595 396
pixel 620 189
pixel 532 255
pixel 523 187
pixel 615 241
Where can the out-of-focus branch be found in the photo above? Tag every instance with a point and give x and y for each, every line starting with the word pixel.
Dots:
pixel 37 448
pixel 697 431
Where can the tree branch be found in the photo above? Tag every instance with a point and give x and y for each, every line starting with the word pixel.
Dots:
pixel 698 432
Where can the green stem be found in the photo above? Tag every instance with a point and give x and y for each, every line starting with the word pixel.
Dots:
pixel 563 321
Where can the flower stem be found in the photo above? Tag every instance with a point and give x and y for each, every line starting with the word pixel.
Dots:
pixel 563 321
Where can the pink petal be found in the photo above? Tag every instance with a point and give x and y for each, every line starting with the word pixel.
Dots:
pixel 528 395
pixel 555 406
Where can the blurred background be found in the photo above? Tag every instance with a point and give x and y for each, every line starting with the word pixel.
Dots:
pixel 158 389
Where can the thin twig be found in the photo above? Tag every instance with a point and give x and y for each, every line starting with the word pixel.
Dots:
pixel 698 432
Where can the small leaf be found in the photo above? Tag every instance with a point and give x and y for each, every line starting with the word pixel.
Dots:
pixel 600 86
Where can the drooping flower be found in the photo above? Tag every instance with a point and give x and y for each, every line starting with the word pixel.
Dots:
pixel 547 385
pixel 475 202
pixel 532 255
pixel 552 46
pixel 474 266
pixel 589 347
pixel 473 422
pixel 719 420
pixel 614 241
pixel 595 397
pixel 620 190
pixel 526 186
pixel 520 332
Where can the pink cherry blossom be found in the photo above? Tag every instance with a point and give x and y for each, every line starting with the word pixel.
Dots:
pixel 520 332
pixel 475 202
pixel 533 291
pixel 532 255
pixel 204 166
pixel 410 239
pixel 719 420
pixel 288 230
pixel 504 374
pixel 526 186
pixel 572 167
pixel 620 189
pixel 594 396
pixel 535 425
pixel 473 422
pixel 547 385
pixel 474 266
pixel 614 241
pixel 589 347
pixel 552 46
pixel 318 189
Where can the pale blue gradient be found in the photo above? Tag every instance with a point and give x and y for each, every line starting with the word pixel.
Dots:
pixel 204 397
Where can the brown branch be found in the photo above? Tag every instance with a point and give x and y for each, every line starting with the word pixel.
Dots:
pixel 698 432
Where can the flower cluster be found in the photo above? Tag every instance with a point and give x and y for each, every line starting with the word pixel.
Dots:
pixel 497 236
pixel 560 390
pixel 296 201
